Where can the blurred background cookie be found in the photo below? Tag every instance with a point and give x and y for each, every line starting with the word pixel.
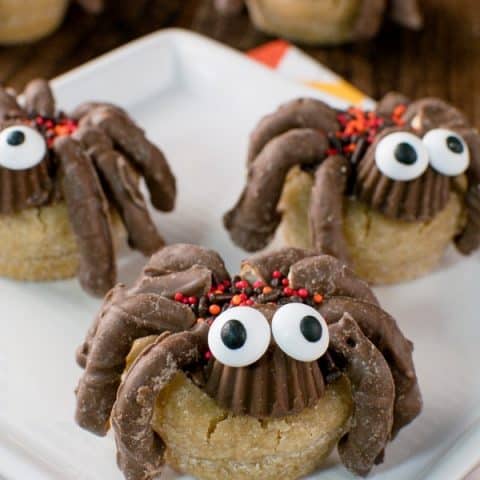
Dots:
pixel 325 22
pixel 28 20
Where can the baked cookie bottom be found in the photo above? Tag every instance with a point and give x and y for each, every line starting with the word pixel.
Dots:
pixel 307 21
pixel 38 244
pixel 382 250
pixel 209 443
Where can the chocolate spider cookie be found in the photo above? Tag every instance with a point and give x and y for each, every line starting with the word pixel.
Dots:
pixel 68 183
pixel 325 22
pixel 386 191
pixel 258 376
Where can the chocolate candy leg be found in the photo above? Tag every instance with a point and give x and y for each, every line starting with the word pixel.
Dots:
pixel 128 318
pixel 469 239
pixel 89 217
pixel 140 450
pixel 373 396
pixel 382 330
pixel 122 183
pixel 39 99
pixel 254 219
pixel 144 154
pixel 9 108
pixel 297 114
pixel 326 207
pixel 331 277
pixel 181 256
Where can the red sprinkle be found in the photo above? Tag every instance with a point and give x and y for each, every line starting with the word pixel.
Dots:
pixel 331 152
pixel 288 291
pixel 285 282
pixel 277 274
pixel 192 300
pixel 178 297
pixel 303 293
pixel 208 355
pixel 241 284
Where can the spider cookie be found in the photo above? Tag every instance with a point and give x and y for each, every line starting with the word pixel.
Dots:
pixel 386 191
pixel 68 184
pixel 325 22
pixel 259 376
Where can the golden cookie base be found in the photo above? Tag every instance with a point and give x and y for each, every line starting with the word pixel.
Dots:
pixel 38 244
pixel 209 443
pixel 307 21
pixel 382 250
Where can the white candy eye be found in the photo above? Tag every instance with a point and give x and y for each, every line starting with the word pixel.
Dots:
pixel 300 331
pixel 401 156
pixel 21 147
pixel 239 336
pixel 448 151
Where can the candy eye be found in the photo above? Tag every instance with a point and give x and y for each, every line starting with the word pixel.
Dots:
pixel 448 151
pixel 21 147
pixel 239 336
pixel 401 156
pixel 300 331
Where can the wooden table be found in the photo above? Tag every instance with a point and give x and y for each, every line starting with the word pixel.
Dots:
pixel 442 60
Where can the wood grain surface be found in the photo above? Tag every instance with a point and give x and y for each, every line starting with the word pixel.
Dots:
pixel 443 60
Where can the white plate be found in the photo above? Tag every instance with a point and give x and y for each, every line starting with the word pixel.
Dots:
pixel 199 101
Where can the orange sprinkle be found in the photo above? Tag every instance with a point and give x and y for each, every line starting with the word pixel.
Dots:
pixel 62 130
pixel 267 290
pixel 399 110
pixel 349 148
pixel 214 309
pixel 236 300
pixel 318 298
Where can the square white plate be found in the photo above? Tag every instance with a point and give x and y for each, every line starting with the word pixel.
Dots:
pixel 199 101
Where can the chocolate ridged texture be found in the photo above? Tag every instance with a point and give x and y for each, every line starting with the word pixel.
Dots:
pixel 417 200
pixel 22 189
pixel 274 386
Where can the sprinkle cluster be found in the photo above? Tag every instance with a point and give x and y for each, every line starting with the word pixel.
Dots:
pixel 358 129
pixel 241 292
pixel 51 128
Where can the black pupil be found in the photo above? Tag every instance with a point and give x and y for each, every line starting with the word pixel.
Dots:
pixel 15 138
pixel 311 328
pixel 454 144
pixel 405 153
pixel 233 334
